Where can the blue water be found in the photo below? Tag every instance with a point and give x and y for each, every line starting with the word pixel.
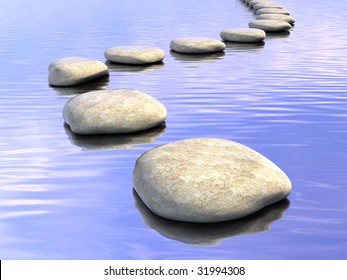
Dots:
pixel 67 197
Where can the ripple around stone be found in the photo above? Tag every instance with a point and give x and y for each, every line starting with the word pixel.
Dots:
pixel 196 45
pixel 270 25
pixel 211 234
pixel 126 141
pixel 244 35
pixel 134 55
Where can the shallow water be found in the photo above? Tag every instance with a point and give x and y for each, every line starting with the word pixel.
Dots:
pixel 67 197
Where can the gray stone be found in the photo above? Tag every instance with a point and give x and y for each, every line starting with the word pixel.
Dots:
pixel 70 71
pixel 196 45
pixel 266 5
pixel 251 3
pixel 113 111
pixel 270 25
pixel 285 18
pixel 207 180
pixel 244 35
pixel 271 11
pixel 134 55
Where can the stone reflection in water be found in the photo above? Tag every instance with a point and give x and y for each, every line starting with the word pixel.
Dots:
pixel 209 57
pixel 278 35
pixel 98 84
pixel 210 234
pixel 126 141
pixel 246 47
pixel 130 68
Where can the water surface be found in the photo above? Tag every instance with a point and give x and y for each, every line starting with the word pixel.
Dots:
pixel 67 197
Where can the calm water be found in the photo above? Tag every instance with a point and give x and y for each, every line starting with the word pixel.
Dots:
pixel 67 197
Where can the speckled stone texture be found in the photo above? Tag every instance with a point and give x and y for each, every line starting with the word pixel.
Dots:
pixel 270 25
pixel 266 5
pixel 70 71
pixel 134 55
pixel 243 35
pixel 285 18
pixel 196 45
pixel 271 11
pixel 207 180
pixel 113 111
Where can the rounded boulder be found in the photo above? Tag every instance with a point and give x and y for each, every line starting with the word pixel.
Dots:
pixel 196 45
pixel 70 71
pixel 285 18
pixel 271 11
pixel 243 35
pixel 134 55
pixel 113 111
pixel 270 25
pixel 207 180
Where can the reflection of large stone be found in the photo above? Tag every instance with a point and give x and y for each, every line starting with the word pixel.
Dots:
pixel 113 111
pixel 212 234
pixel 207 180
pixel 126 141
pixel 70 71
pixel 98 84
pixel 209 57
pixel 118 67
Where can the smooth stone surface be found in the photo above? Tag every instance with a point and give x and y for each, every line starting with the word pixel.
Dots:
pixel 196 45
pixel 134 55
pixel 285 18
pixel 254 2
pixel 204 234
pixel 270 25
pixel 113 111
pixel 70 71
pixel 244 35
pixel 266 5
pixel 207 180
pixel 271 11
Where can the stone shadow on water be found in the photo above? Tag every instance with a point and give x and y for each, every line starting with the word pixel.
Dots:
pixel 210 234
pixel 277 35
pixel 126 141
pixel 188 58
pixel 131 68
pixel 97 84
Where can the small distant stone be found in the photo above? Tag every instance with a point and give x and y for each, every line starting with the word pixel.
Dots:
pixel 270 25
pixel 243 35
pixel 70 71
pixel 266 5
pixel 134 55
pixel 271 11
pixel 207 180
pixel 196 45
pixel 113 111
pixel 285 18
pixel 254 2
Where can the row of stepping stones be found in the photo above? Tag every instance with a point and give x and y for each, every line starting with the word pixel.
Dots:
pixel 193 180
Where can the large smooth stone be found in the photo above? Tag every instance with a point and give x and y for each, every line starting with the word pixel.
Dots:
pixel 70 71
pixel 207 180
pixel 113 111
pixel 134 55
pixel 251 3
pixel 243 35
pixel 196 45
pixel 270 25
pixel 271 11
pixel 285 18
pixel 266 5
